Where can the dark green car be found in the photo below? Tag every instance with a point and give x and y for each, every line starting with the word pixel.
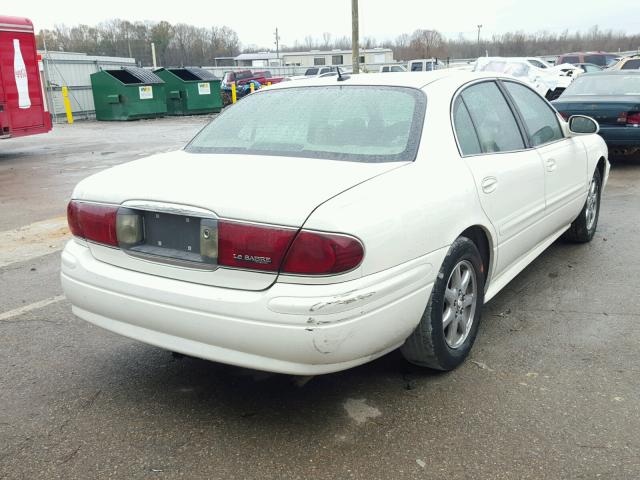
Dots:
pixel 613 99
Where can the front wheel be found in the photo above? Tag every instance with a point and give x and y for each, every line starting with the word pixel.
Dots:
pixel 583 228
pixel 448 327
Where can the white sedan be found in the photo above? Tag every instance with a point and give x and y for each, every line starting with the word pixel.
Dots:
pixel 311 228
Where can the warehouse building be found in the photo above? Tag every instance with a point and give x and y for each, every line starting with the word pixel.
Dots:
pixel 370 56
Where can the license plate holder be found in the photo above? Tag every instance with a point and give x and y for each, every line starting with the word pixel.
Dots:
pixel 178 239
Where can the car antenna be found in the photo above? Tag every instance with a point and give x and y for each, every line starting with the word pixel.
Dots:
pixel 341 78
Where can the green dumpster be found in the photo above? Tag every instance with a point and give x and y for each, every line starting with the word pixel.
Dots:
pixel 191 90
pixel 128 94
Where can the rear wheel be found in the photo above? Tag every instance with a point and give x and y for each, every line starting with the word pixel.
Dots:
pixel 448 328
pixel 584 226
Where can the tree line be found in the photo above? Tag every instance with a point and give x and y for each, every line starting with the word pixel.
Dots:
pixel 183 44
pixel 176 44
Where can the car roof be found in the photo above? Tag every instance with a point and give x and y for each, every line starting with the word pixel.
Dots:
pixel 397 79
pixel 587 53
pixel 612 72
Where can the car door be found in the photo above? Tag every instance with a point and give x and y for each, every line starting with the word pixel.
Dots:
pixel 564 159
pixel 509 177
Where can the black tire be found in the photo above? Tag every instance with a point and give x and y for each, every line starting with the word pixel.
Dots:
pixel 580 230
pixel 427 345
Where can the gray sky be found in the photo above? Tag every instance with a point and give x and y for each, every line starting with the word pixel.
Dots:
pixel 379 19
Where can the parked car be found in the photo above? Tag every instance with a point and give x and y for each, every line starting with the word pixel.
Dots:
pixel 335 73
pixel 425 65
pixel 627 63
pixel 362 223
pixel 613 99
pixel 589 67
pixel 602 59
pixel 537 62
pixel 243 80
pixel 314 72
pixel 245 77
pixel 392 68
pixel 549 81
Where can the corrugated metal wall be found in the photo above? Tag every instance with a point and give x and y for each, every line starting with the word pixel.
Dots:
pixel 74 70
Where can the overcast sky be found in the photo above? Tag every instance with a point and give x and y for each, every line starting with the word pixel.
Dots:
pixel 255 20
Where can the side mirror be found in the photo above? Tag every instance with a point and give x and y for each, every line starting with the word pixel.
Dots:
pixel 583 125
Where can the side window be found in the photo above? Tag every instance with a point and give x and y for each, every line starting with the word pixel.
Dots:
pixel 416 67
pixel 541 121
pixel 495 124
pixel 570 59
pixel 631 65
pixel 465 131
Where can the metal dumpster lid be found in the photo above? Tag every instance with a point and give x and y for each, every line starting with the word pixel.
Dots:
pixel 145 76
pixel 201 73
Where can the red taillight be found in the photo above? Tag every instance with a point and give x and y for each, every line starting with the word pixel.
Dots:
pixel 259 247
pixel 633 118
pixel 93 222
pixel 256 247
pixel 314 253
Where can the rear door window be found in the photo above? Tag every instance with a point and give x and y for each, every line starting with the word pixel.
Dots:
pixel 416 67
pixel 465 131
pixel 494 121
pixel 539 118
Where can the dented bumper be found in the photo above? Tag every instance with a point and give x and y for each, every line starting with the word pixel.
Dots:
pixel 289 328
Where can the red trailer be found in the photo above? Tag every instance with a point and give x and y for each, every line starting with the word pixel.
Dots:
pixel 23 109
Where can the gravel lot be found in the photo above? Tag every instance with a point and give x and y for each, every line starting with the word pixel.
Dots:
pixel 551 390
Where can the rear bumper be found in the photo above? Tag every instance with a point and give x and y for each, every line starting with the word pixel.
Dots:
pixel 289 328
pixel 620 136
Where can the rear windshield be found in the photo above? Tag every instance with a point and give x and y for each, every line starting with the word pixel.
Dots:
pixel 600 60
pixel 351 123
pixel 311 71
pixel 598 84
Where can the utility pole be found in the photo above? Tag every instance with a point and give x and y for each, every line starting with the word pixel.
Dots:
pixel 153 55
pixel 479 28
pixel 355 44
pixel 277 42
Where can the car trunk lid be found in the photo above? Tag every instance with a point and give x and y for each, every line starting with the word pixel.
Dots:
pixel 190 189
pixel 607 110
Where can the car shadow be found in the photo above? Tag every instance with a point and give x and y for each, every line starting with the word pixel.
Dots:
pixel 192 391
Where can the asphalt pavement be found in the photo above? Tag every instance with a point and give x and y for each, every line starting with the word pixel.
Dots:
pixel 550 391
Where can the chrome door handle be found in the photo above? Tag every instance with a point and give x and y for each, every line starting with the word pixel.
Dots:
pixel 489 184
pixel 551 164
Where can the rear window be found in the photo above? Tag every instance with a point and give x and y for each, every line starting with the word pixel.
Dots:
pixel 631 65
pixel 416 67
pixel 311 71
pixel 350 123
pixel 600 60
pixel 598 84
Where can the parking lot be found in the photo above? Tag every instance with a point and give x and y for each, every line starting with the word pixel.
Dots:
pixel 550 390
